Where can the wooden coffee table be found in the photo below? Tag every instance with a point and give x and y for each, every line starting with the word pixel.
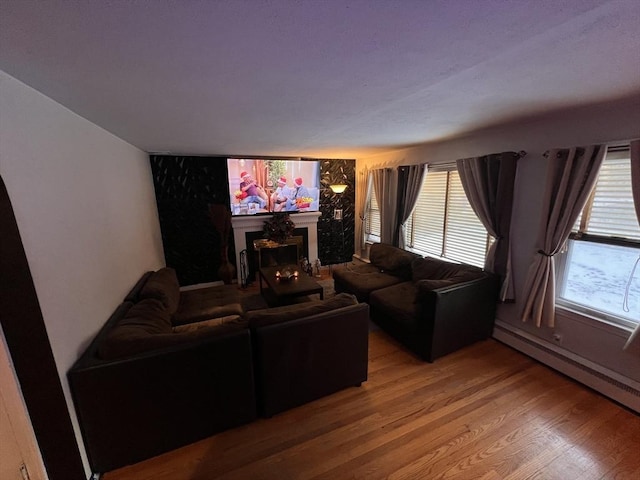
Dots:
pixel 283 292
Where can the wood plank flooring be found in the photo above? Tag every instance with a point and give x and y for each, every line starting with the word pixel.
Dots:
pixel 486 412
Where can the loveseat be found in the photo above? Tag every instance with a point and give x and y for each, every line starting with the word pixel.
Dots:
pixel 388 266
pixel 432 306
pixel 171 367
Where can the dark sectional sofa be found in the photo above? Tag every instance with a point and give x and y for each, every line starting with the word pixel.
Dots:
pixel 171 367
pixel 432 306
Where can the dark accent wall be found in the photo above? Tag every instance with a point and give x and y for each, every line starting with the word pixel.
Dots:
pixel 335 237
pixel 186 185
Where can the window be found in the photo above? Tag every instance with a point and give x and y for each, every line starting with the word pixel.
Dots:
pixel 372 226
pixel 443 224
pixel 600 272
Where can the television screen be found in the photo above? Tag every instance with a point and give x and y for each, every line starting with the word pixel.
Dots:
pixel 270 185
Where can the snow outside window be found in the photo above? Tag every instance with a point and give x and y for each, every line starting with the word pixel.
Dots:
pixel 600 272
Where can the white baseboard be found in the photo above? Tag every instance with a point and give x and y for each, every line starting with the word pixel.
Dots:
pixel 605 381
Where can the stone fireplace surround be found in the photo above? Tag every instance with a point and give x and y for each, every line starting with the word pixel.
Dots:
pixel 255 223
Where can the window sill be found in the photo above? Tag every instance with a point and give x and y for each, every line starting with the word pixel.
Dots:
pixel 592 321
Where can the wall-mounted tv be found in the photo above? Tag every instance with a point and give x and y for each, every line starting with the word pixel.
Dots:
pixel 265 186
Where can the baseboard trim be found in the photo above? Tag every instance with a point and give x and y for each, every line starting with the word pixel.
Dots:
pixel 605 381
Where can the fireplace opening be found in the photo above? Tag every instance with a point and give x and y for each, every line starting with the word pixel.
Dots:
pixel 295 247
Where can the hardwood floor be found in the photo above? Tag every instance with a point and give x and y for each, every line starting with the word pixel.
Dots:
pixel 486 412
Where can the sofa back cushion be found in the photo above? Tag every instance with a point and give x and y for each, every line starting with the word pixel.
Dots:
pixel 392 260
pixel 461 277
pixel 435 269
pixel 147 326
pixel 163 286
pixel 271 316
pixel 134 332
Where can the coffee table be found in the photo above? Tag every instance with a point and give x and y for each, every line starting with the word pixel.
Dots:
pixel 283 292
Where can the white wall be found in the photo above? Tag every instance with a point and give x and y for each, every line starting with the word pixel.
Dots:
pixel 603 122
pixel 86 211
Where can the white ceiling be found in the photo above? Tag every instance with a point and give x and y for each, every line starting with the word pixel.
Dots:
pixel 341 78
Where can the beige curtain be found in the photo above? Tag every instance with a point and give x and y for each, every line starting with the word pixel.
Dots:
pixel 571 176
pixel 633 343
pixel 363 192
pixel 488 183
pixel 386 188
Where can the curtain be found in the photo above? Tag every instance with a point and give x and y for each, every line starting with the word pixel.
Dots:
pixel 488 183
pixel 363 193
pixel 260 174
pixel 633 343
pixel 571 176
pixel 410 179
pixel 386 188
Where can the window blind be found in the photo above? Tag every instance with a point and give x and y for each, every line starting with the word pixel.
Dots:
pixel 444 224
pixel 465 236
pixel 610 212
pixel 373 216
pixel 426 231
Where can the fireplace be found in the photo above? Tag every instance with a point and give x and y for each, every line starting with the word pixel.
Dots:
pixel 247 228
pixel 288 253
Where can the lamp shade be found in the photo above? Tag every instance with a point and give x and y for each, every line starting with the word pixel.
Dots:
pixel 338 188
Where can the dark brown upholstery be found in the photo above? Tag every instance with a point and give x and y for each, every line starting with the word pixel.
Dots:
pixel 162 373
pixel 305 358
pixel 163 286
pixel 392 260
pixel 272 316
pixel 146 386
pixel 389 266
pixel 432 306
pixel 433 322
pixel 147 326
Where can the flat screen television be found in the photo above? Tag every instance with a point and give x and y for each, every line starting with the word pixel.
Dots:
pixel 264 186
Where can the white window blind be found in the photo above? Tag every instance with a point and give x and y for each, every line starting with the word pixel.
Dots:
pixel 465 236
pixel 425 230
pixel 444 224
pixel 610 211
pixel 373 216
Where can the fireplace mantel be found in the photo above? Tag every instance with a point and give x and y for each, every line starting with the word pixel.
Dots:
pixel 255 223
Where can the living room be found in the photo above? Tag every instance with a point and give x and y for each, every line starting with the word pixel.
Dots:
pixel 85 202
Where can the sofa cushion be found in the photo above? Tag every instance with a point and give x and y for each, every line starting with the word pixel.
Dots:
pixel 205 324
pixel 145 319
pixel 163 286
pixel 397 302
pixel 392 260
pixel 134 293
pixel 435 269
pixel 148 315
pixel 362 279
pixel 271 316
pixel 147 327
pixel 460 277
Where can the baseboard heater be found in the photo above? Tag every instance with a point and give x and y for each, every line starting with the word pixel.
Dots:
pixel 607 382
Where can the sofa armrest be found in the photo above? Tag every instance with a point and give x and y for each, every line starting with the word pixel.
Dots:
pixel 138 407
pixel 459 315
